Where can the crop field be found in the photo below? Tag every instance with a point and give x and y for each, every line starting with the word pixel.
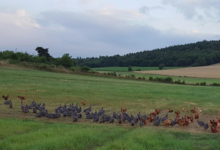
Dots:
pixel 211 71
pixel 125 69
pixel 54 89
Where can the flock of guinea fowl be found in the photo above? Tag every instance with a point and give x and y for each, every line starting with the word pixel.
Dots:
pixel 101 117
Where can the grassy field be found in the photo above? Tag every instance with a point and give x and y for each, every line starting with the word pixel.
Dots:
pixel 175 78
pixel 62 133
pixel 28 134
pixel 125 69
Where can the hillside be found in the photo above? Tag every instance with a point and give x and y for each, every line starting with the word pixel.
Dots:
pixel 195 54
pixel 211 71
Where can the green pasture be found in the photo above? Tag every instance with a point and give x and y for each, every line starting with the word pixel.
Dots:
pixel 175 78
pixel 125 69
pixel 56 88
pixel 32 135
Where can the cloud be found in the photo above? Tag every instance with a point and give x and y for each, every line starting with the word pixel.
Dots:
pixel 193 8
pixel 146 9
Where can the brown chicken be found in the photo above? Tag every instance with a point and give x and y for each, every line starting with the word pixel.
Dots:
pixel 170 110
pixel 190 118
pixel 183 109
pixel 196 116
pixel 193 110
pixel 167 122
pixel 177 112
pixel 21 98
pixel 124 110
pixel 187 121
pixel 82 102
pixel 5 97
pixel 157 111
pixel 214 130
pixel 151 118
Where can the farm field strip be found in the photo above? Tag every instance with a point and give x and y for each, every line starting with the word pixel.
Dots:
pixel 211 71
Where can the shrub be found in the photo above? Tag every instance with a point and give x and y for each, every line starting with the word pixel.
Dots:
pixel 216 84
pixel 203 83
pixel 151 78
pixel 168 79
pixel 183 82
pixel 85 68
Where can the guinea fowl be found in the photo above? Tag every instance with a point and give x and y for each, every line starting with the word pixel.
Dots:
pixel 87 109
pixel 206 126
pixel 79 115
pixel 10 104
pixel 141 123
pixel 90 116
pixel 79 110
pixel 139 115
pixel 5 97
pixel 57 114
pixel 157 123
pixel 173 122
pixel 75 118
pixel 106 118
pixel 132 122
pixel 34 110
pixel 7 102
pixel 96 119
pixel 101 120
pixel 48 115
pixel 101 112
pixel 42 107
pixel 201 123
pixel 37 106
pixel 24 109
pixel 111 120
pixel 87 112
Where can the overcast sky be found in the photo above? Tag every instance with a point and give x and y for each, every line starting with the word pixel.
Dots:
pixel 93 28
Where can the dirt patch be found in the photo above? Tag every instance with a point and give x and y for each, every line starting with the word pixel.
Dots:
pixel 212 71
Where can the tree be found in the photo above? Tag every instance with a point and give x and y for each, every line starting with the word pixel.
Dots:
pixel 130 69
pixel 67 61
pixel 161 66
pixel 43 52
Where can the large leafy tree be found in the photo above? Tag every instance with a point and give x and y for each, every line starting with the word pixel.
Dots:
pixel 43 52
pixel 67 61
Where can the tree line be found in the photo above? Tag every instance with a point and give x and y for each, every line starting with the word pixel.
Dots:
pixel 43 57
pixel 194 54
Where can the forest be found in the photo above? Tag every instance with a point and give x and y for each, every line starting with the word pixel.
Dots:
pixel 194 54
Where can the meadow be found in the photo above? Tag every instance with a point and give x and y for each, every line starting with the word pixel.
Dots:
pixel 56 88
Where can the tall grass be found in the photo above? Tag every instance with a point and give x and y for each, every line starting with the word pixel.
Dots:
pixel 30 135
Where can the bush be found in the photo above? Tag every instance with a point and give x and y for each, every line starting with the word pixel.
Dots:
pixel 151 78
pixel 203 83
pixel 183 82
pixel 216 84
pixel 161 66
pixel 85 69
pixel 197 83
pixel 168 79
pixel 130 69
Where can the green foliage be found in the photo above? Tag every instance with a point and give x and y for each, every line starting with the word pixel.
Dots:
pixel 151 78
pixel 161 66
pixel 215 84
pixel 130 68
pixel 203 83
pixel 194 54
pixel 85 68
pixel 43 52
pixel 67 61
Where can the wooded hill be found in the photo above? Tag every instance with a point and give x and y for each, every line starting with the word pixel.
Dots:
pixel 194 54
